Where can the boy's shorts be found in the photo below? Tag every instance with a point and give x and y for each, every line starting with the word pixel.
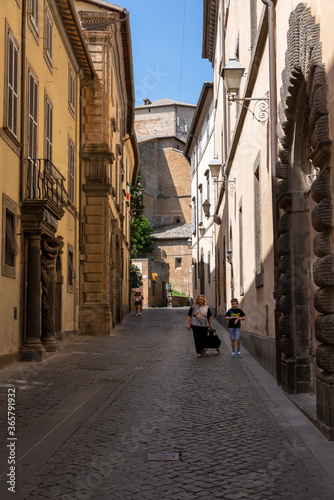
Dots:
pixel 234 333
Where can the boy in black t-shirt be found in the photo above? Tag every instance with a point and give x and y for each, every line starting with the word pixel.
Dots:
pixel 234 315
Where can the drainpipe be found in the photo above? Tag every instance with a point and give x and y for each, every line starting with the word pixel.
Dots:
pixel 23 93
pixel 225 150
pixel 196 213
pixel 273 158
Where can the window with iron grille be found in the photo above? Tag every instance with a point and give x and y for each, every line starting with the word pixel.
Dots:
pixel 71 167
pixel 32 116
pixel 12 85
pixel 48 128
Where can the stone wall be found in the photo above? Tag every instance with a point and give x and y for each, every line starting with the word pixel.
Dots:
pixel 172 251
pixel 165 177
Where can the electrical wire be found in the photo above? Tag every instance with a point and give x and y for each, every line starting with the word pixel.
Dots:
pixel 182 48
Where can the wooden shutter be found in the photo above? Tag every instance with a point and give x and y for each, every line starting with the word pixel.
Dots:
pixel 12 87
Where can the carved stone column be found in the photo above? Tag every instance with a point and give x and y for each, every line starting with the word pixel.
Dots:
pixel 51 247
pixel 33 349
pixel 39 217
pixel 305 71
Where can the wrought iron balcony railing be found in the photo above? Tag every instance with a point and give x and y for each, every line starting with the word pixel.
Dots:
pixel 45 182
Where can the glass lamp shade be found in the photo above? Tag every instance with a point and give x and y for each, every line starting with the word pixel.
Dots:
pixel 215 167
pixel 232 74
pixel 206 207
pixel 202 231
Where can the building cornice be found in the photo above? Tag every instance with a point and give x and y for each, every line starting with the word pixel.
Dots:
pixel 210 11
pixel 73 29
pixel 207 86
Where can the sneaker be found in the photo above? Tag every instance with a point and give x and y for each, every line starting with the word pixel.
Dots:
pixel 233 354
pixel 239 354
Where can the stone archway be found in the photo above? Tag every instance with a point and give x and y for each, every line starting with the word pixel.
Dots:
pixel 303 133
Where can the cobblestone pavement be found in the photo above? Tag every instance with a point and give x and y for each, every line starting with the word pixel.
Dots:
pixel 137 416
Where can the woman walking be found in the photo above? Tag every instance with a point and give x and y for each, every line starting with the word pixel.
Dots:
pixel 138 303
pixel 199 319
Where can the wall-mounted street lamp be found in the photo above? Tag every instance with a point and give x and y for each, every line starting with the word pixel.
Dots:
pixel 189 242
pixel 202 232
pixel 216 167
pixel 232 74
pixel 206 208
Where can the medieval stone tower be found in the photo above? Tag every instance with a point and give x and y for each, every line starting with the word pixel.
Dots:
pixel 162 129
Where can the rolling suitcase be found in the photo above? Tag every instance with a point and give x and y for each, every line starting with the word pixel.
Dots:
pixel 212 340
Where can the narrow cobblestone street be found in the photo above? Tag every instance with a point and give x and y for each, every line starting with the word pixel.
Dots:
pixel 90 419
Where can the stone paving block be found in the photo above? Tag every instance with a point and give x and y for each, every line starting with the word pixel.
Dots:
pixel 233 443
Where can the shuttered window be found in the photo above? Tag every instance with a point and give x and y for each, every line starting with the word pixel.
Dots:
pixel 48 37
pixel 48 129
pixel 32 117
pixel 71 91
pixel 34 13
pixel 71 171
pixel 12 86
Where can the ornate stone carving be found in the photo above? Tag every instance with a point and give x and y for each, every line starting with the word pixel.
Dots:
pixel 285 304
pixel 285 284
pixel 324 300
pixel 284 325
pixel 322 244
pixel 284 244
pixel 324 328
pixel 303 63
pixel 321 186
pixel 322 215
pixel 325 357
pixel 282 170
pixel 323 271
pixel 286 346
pixel 51 247
pixel 284 263
pixel 284 224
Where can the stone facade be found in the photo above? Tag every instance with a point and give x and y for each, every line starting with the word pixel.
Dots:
pixel 110 162
pixel 155 276
pixel 279 228
pixel 162 127
pixel 39 176
pixel 163 118
pixel 172 247
pixel 199 151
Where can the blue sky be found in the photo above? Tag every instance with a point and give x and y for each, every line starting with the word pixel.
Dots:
pixel 167 49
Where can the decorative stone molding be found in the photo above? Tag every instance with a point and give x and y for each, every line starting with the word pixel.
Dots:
pixel 304 65
pixel 324 328
pixel 322 244
pixel 323 271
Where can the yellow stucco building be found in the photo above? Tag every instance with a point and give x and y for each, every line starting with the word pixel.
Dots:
pixel 48 108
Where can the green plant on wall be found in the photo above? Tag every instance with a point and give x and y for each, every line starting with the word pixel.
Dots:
pixel 175 293
pixel 141 239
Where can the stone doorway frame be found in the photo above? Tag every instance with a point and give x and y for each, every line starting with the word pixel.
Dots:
pixel 304 63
